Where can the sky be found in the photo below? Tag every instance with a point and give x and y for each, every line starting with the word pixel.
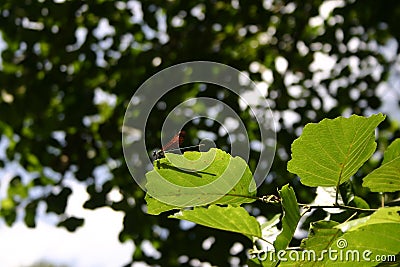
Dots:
pixel 95 244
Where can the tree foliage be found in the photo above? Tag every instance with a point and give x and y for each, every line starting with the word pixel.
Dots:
pixel 358 240
pixel 57 63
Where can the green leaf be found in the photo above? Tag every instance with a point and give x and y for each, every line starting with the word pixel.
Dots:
pixel 57 203
pixel 381 216
pixel 71 223
pixel 328 153
pixel 380 234
pixel 346 192
pixel 8 210
pixel 365 238
pixel 291 217
pixel 384 179
pixel 155 207
pixel 220 179
pixel 17 188
pixel 30 214
pixel 269 228
pixel 262 258
pixel 387 177
pixel 321 235
pixel 358 202
pixel 233 219
pixel 392 152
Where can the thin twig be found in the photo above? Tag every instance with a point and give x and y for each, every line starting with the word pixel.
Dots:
pixel 337 206
pixel 351 217
pixel 337 193
pixel 306 209
pixel 274 200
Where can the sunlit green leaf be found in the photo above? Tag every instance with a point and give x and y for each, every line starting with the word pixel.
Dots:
pixel 372 236
pixel 392 152
pixel 233 219
pixel 378 233
pixel 386 178
pixel 328 153
pixel 291 217
pixel 221 179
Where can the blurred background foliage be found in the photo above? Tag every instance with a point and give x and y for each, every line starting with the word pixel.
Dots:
pixel 69 68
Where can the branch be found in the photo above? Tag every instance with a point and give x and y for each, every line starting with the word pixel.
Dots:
pixel 336 206
pixel 272 199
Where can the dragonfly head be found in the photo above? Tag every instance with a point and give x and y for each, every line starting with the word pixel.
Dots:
pixel 158 154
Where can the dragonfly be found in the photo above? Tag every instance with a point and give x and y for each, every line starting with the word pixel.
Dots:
pixel 173 145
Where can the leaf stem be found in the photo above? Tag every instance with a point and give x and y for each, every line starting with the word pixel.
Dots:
pixel 265 240
pixel 337 192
